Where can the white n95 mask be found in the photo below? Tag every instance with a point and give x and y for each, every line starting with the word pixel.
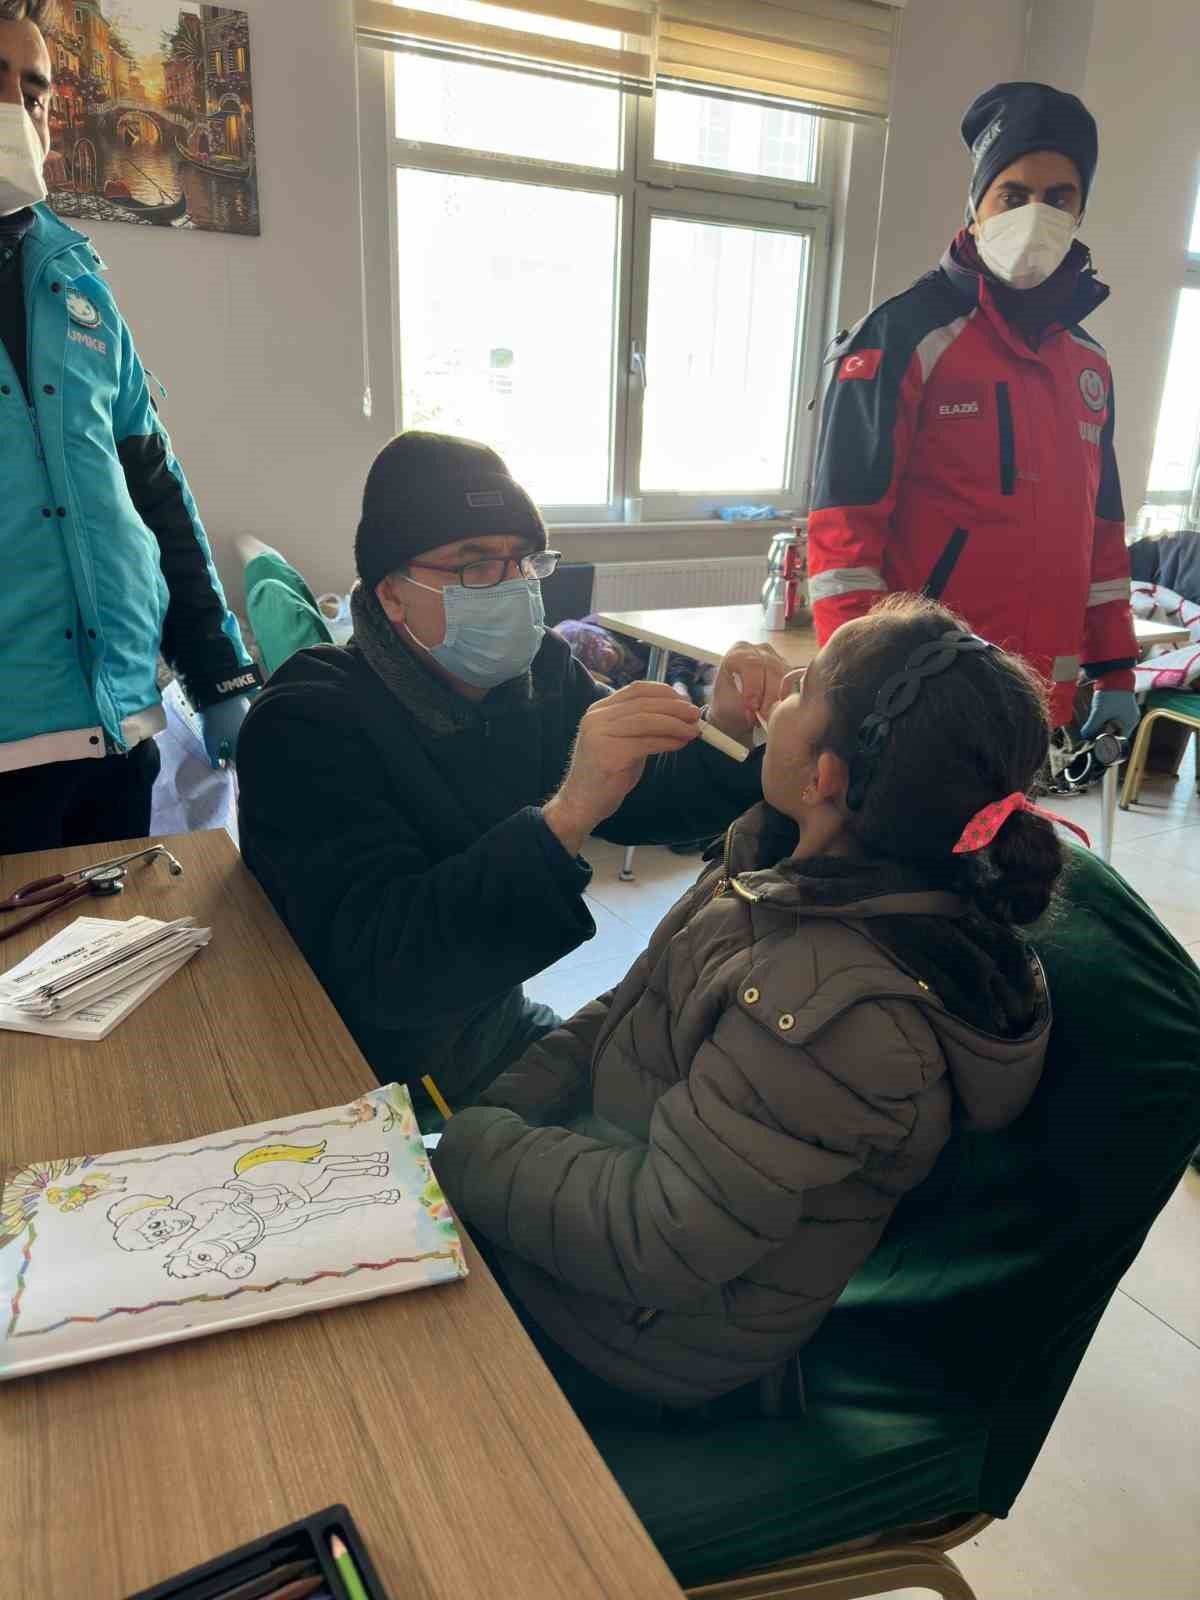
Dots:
pixel 1026 245
pixel 21 159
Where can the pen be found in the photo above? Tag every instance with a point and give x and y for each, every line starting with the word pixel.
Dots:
pixel 347 1571
pixel 435 1094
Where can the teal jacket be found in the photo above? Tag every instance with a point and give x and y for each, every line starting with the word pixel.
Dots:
pixel 105 561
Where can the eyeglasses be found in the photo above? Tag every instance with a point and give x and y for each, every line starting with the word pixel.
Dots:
pixel 487 574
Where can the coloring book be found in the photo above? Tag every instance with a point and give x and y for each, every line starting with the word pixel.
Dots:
pixel 100 1255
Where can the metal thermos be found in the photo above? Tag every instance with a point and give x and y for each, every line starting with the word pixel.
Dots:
pixel 785 593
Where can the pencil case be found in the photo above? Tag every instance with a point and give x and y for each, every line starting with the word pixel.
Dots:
pixel 306 1540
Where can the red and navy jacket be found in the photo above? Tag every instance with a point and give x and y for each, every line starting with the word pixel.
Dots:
pixel 957 459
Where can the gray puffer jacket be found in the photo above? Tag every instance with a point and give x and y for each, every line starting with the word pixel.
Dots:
pixel 758 1093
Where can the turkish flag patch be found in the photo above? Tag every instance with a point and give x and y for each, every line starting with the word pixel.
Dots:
pixel 862 364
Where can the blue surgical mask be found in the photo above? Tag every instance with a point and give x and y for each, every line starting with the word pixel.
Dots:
pixel 492 635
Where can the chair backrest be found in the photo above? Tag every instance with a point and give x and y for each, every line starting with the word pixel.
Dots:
pixel 994 1274
pixel 567 593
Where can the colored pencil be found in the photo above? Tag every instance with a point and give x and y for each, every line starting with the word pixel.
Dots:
pixel 301 1589
pixel 435 1094
pixel 347 1571
pixel 262 1587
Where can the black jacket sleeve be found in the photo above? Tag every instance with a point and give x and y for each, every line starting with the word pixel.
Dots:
pixel 201 638
pixel 328 838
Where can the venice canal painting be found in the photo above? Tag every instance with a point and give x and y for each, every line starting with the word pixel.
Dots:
pixel 152 115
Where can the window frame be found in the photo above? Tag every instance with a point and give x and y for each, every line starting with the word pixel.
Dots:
pixel 762 215
pixel 1186 496
pixel 645 188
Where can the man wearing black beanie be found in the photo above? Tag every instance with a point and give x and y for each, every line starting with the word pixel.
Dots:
pixel 416 804
pixel 967 436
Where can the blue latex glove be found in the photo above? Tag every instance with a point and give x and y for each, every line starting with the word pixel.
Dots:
pixel 1111 705
pixel 221 725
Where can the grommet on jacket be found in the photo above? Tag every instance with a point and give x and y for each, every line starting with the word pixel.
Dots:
pixel 751 997
pixel 786 1022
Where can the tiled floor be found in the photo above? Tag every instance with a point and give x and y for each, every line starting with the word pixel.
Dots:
pixel 1112 1509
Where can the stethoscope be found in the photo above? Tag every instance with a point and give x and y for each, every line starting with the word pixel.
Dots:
pixel 1077 764
pixel 105 877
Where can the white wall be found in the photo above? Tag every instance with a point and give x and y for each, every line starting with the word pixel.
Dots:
pixel 257 340
pixel 1140 82
pixel 950 51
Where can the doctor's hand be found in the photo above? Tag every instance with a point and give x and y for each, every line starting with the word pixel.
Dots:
pixel 616 738
pixel 220 725
pixel 749 682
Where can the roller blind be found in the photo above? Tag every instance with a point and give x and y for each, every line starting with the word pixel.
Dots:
pixel 830 55
pixel 608 41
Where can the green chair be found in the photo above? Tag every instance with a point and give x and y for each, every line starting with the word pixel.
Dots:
pixel 282 611
pixel 934 1382
pixel 1180 706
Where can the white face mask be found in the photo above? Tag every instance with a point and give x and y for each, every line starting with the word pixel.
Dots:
pixel 1026 245
pixel 21 160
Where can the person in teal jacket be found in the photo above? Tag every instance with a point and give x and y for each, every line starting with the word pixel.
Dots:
pixel 104 558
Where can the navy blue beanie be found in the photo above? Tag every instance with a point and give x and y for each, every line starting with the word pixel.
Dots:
pixel 1012 120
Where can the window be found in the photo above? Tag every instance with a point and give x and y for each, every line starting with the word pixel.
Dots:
pixel 622 294
pixel 218 63
pixel 507 302
pixel 726 136
pixel 1173 492
pixel 241 58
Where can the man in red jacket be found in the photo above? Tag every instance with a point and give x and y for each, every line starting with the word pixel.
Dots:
pixel 967 441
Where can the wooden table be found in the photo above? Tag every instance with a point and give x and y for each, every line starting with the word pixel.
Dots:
pixel 708 633
pixel 429 1414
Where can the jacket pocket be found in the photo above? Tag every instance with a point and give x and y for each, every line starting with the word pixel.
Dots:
pixel 1008 449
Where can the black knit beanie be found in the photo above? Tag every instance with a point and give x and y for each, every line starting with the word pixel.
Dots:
pixel 1013 120
pixel 429 489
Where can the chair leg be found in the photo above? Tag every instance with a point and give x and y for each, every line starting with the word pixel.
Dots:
pixel 1135 768
pixel 849 1577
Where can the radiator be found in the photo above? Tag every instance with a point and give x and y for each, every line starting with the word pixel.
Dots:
pixel 668 585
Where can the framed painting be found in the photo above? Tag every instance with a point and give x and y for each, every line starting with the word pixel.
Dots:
pixel 152 115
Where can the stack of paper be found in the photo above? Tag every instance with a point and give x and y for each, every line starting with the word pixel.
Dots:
pixel 91 975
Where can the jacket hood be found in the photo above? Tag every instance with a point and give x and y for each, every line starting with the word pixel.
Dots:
pixel 979 985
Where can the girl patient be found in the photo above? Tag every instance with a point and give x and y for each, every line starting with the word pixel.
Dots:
pixel 676 1185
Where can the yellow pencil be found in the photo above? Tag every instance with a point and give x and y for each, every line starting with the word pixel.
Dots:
pixel 435 1094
